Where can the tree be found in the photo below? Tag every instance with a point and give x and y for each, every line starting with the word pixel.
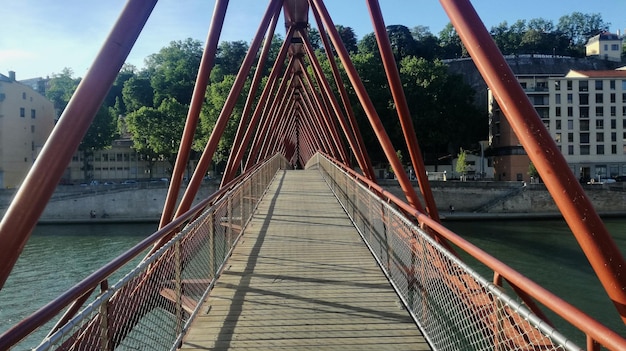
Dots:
pixel 450 43
pixel 347 37
pixel 461 163
pixel 441 106
pixel 173 70
pixel 156 131
pixel 230 55
pixel 137 93
pixel 61 87
pixel 579 27
pixel 402 42
pixel 99 136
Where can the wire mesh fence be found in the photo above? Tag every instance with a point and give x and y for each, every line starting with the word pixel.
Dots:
pixel 151 306
pixel 455 307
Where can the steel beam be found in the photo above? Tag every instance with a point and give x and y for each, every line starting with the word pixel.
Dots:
pixel 41 181
pixel 568 194
pixel 197 99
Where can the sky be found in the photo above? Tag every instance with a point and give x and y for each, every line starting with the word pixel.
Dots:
pixel 39 38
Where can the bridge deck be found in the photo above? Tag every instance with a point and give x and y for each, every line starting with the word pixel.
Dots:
pixel 301 278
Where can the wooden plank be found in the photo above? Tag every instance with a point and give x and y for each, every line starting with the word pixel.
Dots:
pixel 301 278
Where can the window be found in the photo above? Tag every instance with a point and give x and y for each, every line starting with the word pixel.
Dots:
pixel 612 84
pixel 557 85
pixel 624 84
pixel 105 157
pixel 557 111
pixel 557 98
pixel 599 84
pixel 613 111
pixel 558 124
pixel 583 112
pixel 624 111
pixel 613 136
pixel 599 124
pixel 614 149
pixel 584 149
pixel 612 98
pixel 624 98
pixel 33 113
pixel 570 124
pixel 613 123
pixel 570 111
pixel 606 47
pixel 569 84
pixel 119 157
pixel 584 125
pixel 570 149
pixel 599 111
pixel 583 85
pixel 599 149
pixel 600 137
pixel 32 146
pixel 23 96
pixel 32 129
pixel 584 138
pixel 624 137
pixel 570 98
pixel 599 98
pixel 557 137
pixel 570 137
pixel 583 99
pixel 22 112
pixel 614 47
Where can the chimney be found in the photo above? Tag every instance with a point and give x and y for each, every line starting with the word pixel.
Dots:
pixel 12 76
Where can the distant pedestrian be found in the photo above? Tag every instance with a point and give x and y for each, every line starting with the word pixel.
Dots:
pixel 451 209
pixel 92 214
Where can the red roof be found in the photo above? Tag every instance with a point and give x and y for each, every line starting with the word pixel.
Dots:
pixel 603 74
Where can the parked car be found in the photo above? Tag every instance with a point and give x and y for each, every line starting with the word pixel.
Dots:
pixel 620 178
pixel 129 181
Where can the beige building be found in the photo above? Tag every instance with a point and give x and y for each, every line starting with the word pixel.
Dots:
pixel 605 46
pixel 584 111
pixel 26 120
pixel 117 164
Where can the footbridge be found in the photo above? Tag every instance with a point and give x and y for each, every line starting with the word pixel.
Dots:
pixel 300 248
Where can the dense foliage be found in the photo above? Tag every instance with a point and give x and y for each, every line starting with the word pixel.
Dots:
pixel 150 104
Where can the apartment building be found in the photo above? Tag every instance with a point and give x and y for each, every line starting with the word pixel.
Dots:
pixel 26 120
pixel 605 46
pixel 584 111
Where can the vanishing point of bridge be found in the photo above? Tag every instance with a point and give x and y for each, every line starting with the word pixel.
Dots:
pixel 282 257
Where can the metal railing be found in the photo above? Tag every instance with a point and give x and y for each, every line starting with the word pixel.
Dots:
pixel 456 308
pixel 151 307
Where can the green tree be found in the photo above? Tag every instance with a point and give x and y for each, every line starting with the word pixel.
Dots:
pixel 461 163
pixel 450 42
pixel 102 130
pixel 137 93
pixel 347 37
pixel 61 87
pixel 579 27
pixel 156 131
pixel 99 136
pixel 173 70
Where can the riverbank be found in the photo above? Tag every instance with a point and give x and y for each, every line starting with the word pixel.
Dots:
pixel 143 203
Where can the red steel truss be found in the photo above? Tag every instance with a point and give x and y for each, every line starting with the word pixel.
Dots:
pixel 298 115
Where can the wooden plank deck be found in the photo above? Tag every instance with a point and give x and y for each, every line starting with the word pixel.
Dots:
pixel 300 279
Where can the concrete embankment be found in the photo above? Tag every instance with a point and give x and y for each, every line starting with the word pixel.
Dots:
pixel 471 201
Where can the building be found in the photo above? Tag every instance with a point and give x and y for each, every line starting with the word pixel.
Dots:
pixel 26 120
pixel 119 163
pixel 605 46
pixel 584 111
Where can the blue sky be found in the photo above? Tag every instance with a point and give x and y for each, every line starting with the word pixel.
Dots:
pixel 41 37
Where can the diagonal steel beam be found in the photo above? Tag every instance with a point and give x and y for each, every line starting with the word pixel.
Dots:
pixel 402 107
pixel 368 107
pixel 576 208
pixel 39 185
pixel 197 99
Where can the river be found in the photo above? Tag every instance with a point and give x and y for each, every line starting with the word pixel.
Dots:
pixel 58 256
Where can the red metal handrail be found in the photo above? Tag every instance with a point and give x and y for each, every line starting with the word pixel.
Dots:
pixel 569 313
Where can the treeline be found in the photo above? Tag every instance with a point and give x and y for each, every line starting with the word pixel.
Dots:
pixel 150 104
